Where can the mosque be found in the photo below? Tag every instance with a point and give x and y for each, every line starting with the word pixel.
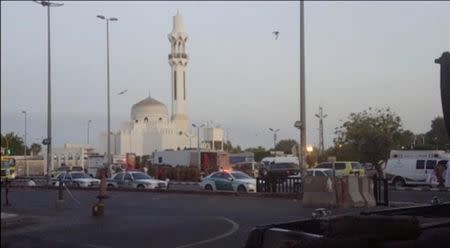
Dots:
pixel 150 127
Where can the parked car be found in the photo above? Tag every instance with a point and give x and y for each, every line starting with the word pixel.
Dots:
pixel 344 168
pixel 76 179
pixel 320 172
pixel 279 170
pixel 229 181
pixel 411 171
pixel 136 180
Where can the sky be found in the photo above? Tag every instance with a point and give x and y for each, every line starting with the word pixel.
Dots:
pixel 358 55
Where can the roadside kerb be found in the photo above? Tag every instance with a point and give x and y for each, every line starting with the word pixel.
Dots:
pixel 170 191
pixel 419 189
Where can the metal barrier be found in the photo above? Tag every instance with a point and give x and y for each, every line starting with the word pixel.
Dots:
pixel 381 191
pixel 278 185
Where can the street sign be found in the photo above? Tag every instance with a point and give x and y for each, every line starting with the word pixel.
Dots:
pixel 46 141
pixel 298 124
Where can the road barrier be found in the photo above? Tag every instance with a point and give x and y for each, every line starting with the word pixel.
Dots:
pixel 366 191
pixel 318 192
pixel 353 196
pixel 278 185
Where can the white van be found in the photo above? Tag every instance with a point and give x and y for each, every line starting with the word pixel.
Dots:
pixel 276 160
pixel 411 171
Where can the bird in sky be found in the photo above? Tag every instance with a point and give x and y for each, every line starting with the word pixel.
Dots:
pixel 276 33
pixel 122 92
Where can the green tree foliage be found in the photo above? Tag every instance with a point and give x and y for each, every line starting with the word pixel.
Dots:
pixel 14 142
pixel 437 137
pixel 258 152
pixel 230 148
pixel 35 148
pixel 285 145
pixel 370 135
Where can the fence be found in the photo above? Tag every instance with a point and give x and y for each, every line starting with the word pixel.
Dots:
pixel 380 191
pixel 278 185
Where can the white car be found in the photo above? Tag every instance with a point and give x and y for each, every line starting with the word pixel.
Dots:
pixel 318 172
pixel 76 179
pixel 136 180
pixel 236 181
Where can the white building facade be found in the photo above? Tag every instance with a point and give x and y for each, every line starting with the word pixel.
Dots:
pixel 151 128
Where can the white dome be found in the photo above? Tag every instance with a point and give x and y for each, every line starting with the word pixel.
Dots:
pixel 149 108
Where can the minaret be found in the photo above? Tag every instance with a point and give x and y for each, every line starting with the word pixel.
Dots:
pixel 178 60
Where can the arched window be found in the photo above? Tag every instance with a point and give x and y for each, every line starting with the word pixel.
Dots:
pixel 146 119
pixel 136 121
pixel 160 119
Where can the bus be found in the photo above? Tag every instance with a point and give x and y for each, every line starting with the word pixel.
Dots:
pixel 8 167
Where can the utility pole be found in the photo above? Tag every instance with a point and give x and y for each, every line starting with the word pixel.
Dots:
pixel 88 126
pixel 321 116
pixel 25 143
pixel 302 88
pixel 48 141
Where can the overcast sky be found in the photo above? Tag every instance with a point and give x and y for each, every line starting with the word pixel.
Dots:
pixel 358 54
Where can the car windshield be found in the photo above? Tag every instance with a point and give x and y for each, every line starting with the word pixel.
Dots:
pixel 141 176
pixel 283 166
pixel 240 175
pixel 79 175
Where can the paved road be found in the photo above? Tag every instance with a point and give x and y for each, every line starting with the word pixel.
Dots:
pixel 147 219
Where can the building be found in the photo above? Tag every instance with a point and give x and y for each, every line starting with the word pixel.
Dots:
pixel 71 155
pixel 150 127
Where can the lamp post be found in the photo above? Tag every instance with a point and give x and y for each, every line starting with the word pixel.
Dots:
pixel 88 126
pixel 48 140
pixel 274 131
pixel 302 88
pixel 108 155
pixel 25 142
pixel 198 142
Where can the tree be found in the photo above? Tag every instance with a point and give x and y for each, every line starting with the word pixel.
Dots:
pixel 13 142
pixel 35 148
pixel 258 152
pixel 437 137
pixel 369 136
pixel 229 147
pixel 285 145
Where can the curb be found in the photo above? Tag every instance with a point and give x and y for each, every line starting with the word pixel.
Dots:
pixel 291 196
pixel 183 183
pixel 420 189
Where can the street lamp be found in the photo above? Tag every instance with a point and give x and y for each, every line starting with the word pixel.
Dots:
pixel 88 126
pixel 108 19
pixel 309 149
pixel 48 140
pixel 302 91
pixel 274 137
pixel 198 141
pixel 25 142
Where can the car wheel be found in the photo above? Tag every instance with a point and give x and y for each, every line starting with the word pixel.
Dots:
pixel 241 189
pixel 140 186
pixel 110 185
pixel 399 182
pixel 208 187
pixel 77 185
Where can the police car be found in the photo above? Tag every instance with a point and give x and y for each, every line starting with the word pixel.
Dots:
pixel 225 180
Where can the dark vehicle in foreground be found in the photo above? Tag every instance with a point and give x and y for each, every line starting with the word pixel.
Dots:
pixel 418 226
pixel 279 170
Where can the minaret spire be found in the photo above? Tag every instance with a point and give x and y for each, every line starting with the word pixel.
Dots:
pixel 178 60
